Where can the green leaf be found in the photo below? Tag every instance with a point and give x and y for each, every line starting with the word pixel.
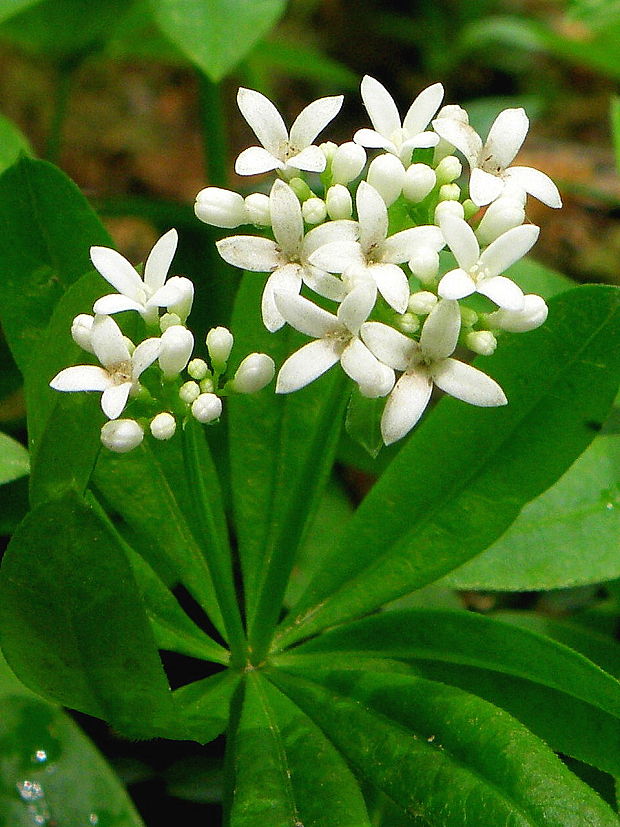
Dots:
pixel 12 143
pixel 41 745
pixel 465 473
pixel 204 706
pixel 566 537
pixel 615 127
pixel 14 462
pixel 302 61
pixel 72 624
pixel 441 754
pixel 142 490
pixel 363 422
pixel 10 7
pixel 281 760
pixel 281 453
pixel 46 232
pixel 216 36
pixel 534 277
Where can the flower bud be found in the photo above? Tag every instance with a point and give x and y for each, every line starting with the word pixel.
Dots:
pixel 254 372
pixel 449 192
pixel 419 180
pixel 177 343
pixel 408 322
pixel 207 385
pixel 207 407
pixel 448 169
pixel 387 175
pixel 219 344
pixel 198 369
pixel 500 216
pixel 422 302
pixel 168 320
pixel 339 202
pixel 188 392
pixel 456 113
pixel 448 208
pixel 469 317
pixel 163 426
pixel 424 264
pixel 481 341
pixel 532 315
pixel 220 208
pixel 301 189
pixel 469 209
pixel 81 331
pixel 348 161
pixel 121 435
pixel 314 210
pixel 258 209
pixel 181 298
pixel 328 148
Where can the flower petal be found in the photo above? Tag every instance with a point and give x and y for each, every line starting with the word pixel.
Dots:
pixel 116 303
pixel 423 140
pixel 312 120
pixel 422 109
pixel 118 272
pixel 250 252
pixel 336 256
pixel 536 183
pixel 508 248
pixel 393 285
pixel 504 292
pixel 255 160
pixel 310 159
pixel 460 135
pixel 402 246
pixel 114 399
pixel 265 120
pixel 305 316
pixel 506 136
pixel 456 284
pixel 380 106
pixel 441 329
pixel 405 405
pixel 108 342
pixel 159 260
pixel 390 346
pixel 82 378
pixel 372 216
pixel 326 285
pixel 484 187
pixel 468 384
pixel 144 355
pixel 283 280
pixel 374 378
pixel 461 240
pixel 356 307
pixel 307 364
pixel 374 140
pixel 340 230
pixel 286 219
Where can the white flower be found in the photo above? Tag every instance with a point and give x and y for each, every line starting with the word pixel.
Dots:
pixel 348 160
pixel 533 313
pixel 134 292
pixel 206 407
pixel 253 374
pixel 280 150
pixel 423 364
pixel 221 208
pixel 219 344
pixel 479 272
pixel 389 133
pixel 176 346
pixel 121 435
pixel 336 339
pixel 81 331
pixel 376 255
pixel 502 215
pixel 490 162
pixel 286 258
pixel 120 372
pixel 163 426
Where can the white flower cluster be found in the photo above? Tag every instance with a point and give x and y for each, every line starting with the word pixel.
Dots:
pixel 122 363
pixel 372 247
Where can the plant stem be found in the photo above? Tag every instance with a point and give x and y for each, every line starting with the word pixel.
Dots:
pixel 211 535
pixel 214 135
pixel 64 83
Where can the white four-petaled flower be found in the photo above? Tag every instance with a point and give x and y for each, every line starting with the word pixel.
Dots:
pixel 490 162
pixel 424 364
pixel 336 339
pixel 287 258
pixel 480 272
pixel 288 153
pixel 120 372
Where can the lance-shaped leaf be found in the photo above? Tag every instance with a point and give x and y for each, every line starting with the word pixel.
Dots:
pixel 465 473
pixel 445 756
pixel 216 36
pixel 14 462
pixel 72 623
pixel 281 762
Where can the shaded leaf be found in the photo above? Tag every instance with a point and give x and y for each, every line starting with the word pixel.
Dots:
pixel 14 462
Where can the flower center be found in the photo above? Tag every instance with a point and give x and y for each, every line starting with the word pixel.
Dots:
pixel 121 373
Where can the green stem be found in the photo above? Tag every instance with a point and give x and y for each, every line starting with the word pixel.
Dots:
pixel 214 135
pixel 64 83
pixel 211 534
